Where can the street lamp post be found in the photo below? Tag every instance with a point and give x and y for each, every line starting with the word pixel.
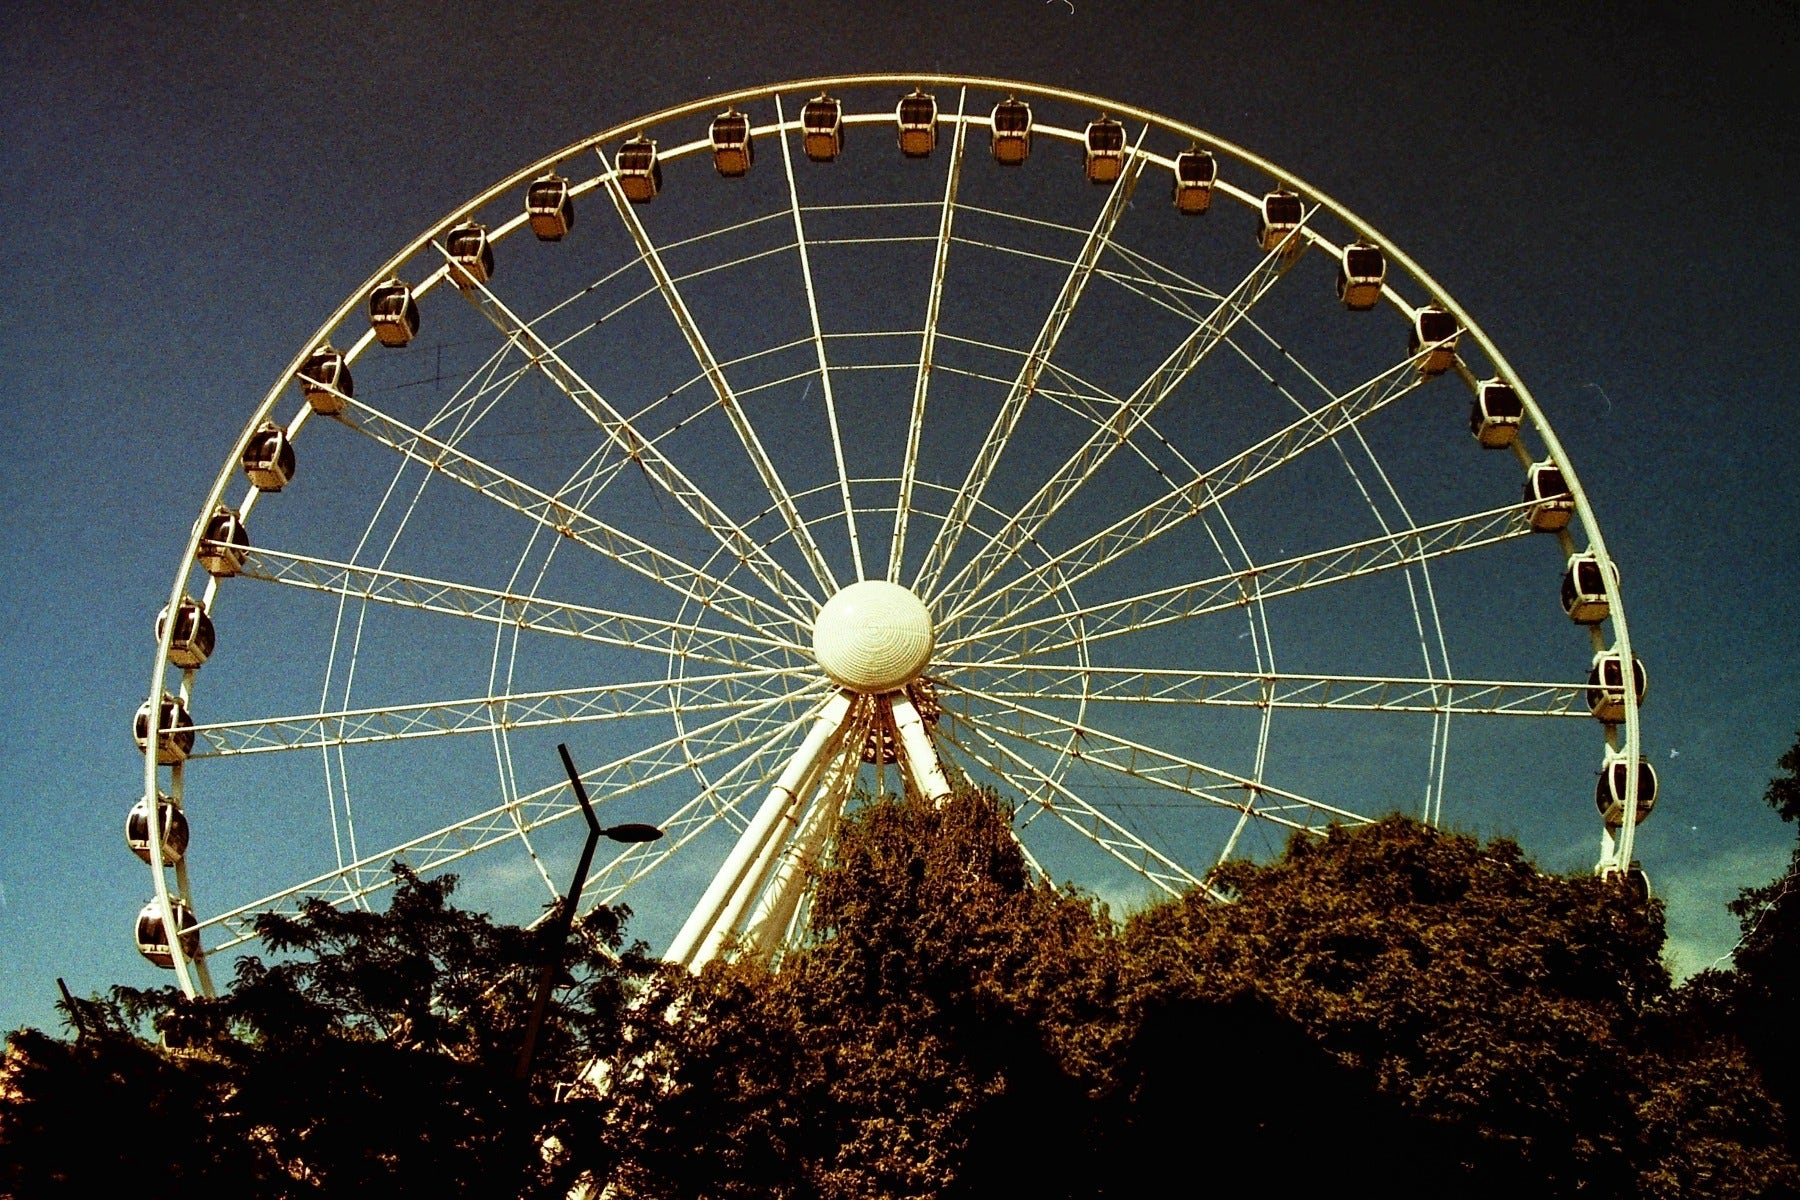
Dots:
pixel 565 918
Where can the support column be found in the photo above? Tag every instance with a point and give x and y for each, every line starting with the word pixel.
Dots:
pixel 766 825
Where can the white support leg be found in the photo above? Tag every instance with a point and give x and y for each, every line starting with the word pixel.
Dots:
pixel 754 881
pixel 778 899
pixel 765 826
pixel 917 752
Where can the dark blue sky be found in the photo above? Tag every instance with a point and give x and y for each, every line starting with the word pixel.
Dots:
pixel 187 191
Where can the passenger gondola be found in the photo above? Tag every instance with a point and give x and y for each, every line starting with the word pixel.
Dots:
pixel 393 313
pixel 1606 685
pixel 1362 271
pixel 224 543
pixel 1547 493
pixel 193 640
pixel 1105 154
pixel 822 123
pixel 549 208
pixel 1436 332
pixel 1196 171
pixel 732 151
pixel 171 824
pixel 471 255
pixel 1279 224
pixel 1584 590
pixel 175 730
pixel 268 458
pixel 1495 414
pixel 1012 132
pixel 153 940
pixel 325 381
pixel 917 119
pixel 640 172
pixel 1609 791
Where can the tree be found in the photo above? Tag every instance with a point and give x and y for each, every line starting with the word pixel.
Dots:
pixel 948 1033
pixel 1768 957
pixel 1724 1102
pixel 375 1053
pixel 1459 980
pixel 1388 1006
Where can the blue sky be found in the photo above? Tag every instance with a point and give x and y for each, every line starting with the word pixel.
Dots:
pixel 187 195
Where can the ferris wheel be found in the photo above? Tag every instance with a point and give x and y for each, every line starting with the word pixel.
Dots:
pixel 874 433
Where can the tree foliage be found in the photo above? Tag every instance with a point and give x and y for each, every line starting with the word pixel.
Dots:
pixel 1417 1010
pixel 1755 1005
pixel 1414 1012
pixel 375 1054
pixel 948 1015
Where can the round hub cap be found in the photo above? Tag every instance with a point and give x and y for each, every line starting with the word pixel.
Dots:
pixel 873 636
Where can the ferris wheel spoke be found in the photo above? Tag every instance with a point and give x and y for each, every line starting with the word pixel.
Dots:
pixel 489 714
pixel 1096 747
pixel 576 524
pixel 1114 618
pixel 1051 795
pixel 505 822
pixel 927 345
pixel 715 375
pixel 1012 408
pixel 654 635
pixel 636 448
pixel 1257 690
pixel 1205 492
pixel 818 337
pixel 1022 528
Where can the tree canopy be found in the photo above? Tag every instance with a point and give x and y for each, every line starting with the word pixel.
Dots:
pixel 1412 1011
pixel 375 1053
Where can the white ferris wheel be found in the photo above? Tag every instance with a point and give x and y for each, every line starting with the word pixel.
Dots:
pixel 868 433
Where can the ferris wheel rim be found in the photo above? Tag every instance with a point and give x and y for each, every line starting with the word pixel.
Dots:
pixel 1594 541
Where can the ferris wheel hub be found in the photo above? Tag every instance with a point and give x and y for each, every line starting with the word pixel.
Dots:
pixel 873 637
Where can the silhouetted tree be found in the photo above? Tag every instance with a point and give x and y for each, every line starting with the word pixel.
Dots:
pixel 1768 957
pixel 375 1054
pixel 948 1033
pixel 1454 977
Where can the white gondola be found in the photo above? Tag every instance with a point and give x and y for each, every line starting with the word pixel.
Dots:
pixel 640 171
pixel 171 824
pixel 393 313
pixel 1606 685
pixel 1547 494
pixel 1282 213
pixel 1362 272
pixel 325 381
pixel 1196 171
pixel 822 123
pixel 471 254
pixel 193 640
pixel 1436 332
pixel 1584 589
pixel 1495 414
pixel 917 119
pixel 1011 120
pixel 1609 791
pixel 268 458
pixel 175 730
pixel 153 940
pixel 1105 153
pixel 548 207
pixel 224 543
pixel 732 151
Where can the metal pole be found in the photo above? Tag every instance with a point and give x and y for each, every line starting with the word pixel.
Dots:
pixel 564 920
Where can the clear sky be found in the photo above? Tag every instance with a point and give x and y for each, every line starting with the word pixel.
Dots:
pixel 188 191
